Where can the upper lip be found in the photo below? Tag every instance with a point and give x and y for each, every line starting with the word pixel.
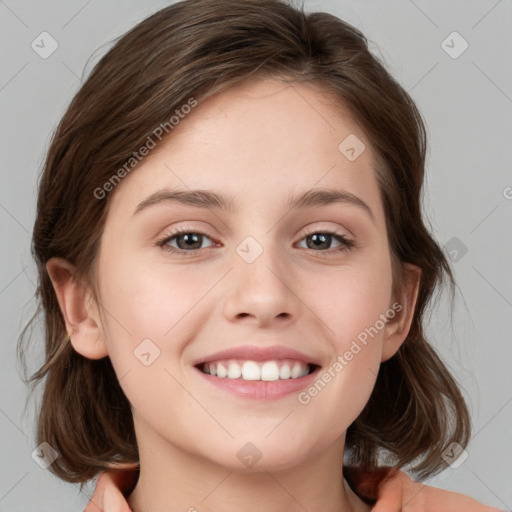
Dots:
pixel 257 353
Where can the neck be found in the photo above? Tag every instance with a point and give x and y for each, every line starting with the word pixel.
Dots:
pixel 172 479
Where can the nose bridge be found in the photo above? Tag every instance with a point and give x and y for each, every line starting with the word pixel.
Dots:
pixel 262 281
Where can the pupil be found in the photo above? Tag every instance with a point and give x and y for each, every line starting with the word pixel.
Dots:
pixel 191 240
pixel 320 240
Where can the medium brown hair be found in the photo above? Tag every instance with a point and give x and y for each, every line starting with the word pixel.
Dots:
pixel 193 49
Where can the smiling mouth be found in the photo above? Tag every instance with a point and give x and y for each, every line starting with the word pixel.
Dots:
pixel 267 371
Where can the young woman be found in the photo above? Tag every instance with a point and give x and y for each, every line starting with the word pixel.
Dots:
pixel 234 267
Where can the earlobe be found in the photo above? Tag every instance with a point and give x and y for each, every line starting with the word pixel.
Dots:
pixel 397 328
pixel 82 322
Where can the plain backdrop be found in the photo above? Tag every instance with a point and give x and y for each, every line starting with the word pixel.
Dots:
pixel 454 57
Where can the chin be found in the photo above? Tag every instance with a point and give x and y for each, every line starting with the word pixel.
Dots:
pixel 259 454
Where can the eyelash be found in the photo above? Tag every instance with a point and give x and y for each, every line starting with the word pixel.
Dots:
pixel 346 244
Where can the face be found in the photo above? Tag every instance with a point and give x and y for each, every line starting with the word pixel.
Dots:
pixel 255 286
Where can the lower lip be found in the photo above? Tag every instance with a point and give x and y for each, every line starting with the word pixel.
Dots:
pixel 259 389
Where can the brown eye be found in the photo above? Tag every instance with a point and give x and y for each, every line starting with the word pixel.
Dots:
pixel 323 240
pixel 319 241
pixel 184 240
pixel 189 241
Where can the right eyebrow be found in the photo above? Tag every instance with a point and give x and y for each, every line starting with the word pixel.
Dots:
pixel 199 198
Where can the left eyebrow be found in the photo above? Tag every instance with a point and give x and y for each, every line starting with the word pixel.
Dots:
pixel 323 197
pixel 209 199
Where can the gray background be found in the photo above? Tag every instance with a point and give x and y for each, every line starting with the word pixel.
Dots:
pixel 467 104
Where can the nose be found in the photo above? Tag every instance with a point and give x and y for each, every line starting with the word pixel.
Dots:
pixel 261 292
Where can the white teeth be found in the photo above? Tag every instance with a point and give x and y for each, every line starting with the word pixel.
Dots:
pixel 270 371
pixel 234 371
pixel 296 371
pixel 284 372
pixel 252 370
pixel 222 371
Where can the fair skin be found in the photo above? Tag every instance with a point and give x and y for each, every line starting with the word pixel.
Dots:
pixel 397 493
pixel 258 144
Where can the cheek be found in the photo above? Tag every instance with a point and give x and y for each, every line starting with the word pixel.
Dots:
pixel 149 317
pixel 355 304
pixel 350 300
pixel 147 309
pixel 149 300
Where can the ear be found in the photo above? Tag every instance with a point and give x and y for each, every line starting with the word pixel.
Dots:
pixel 397 328
pixel 78 310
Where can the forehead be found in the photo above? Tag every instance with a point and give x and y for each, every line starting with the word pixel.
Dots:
pixel 260 142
